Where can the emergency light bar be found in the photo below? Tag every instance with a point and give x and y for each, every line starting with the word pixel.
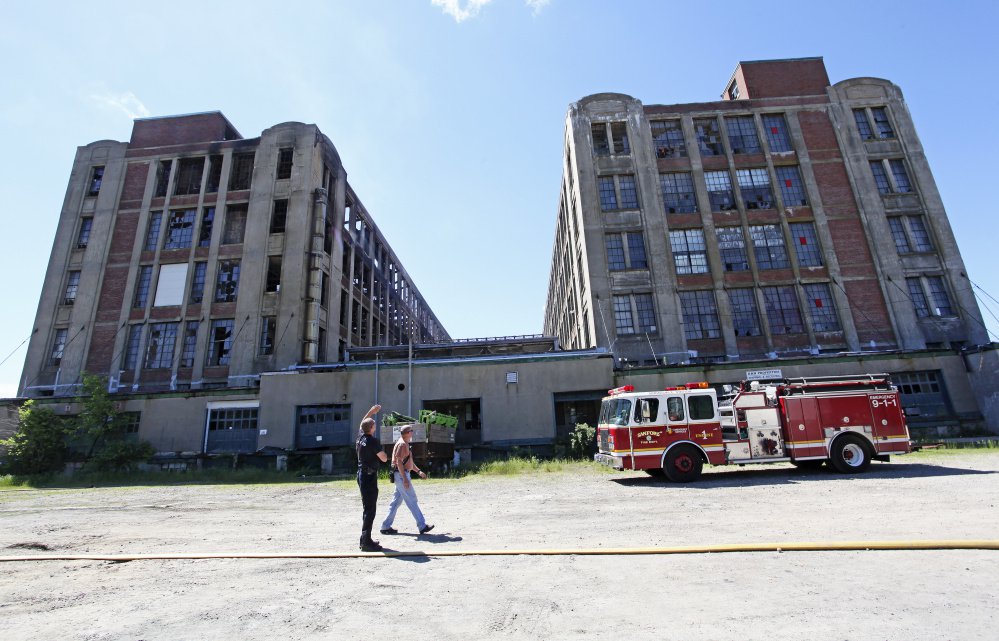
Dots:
pixel 621 390
pixel 688 386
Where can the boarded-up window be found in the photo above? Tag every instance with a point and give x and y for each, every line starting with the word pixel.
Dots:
pixel 170 287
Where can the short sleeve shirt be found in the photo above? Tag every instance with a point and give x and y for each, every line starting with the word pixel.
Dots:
pixel 368 448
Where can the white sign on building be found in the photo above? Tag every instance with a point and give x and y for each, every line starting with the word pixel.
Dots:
pixel 764 375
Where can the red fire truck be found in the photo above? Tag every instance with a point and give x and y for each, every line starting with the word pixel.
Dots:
pixel 843 421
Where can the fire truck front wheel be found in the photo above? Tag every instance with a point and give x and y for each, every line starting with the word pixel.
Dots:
pixel 850 455
pixel 682 464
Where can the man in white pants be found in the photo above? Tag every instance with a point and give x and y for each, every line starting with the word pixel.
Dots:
pixel 402 465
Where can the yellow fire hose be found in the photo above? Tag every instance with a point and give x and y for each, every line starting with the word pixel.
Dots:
pixel 815 546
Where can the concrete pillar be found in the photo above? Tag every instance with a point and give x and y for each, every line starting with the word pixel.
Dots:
pixel 327 463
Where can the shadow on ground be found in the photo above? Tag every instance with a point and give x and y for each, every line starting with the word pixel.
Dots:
pixel 741 477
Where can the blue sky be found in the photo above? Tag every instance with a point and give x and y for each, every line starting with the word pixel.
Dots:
pixel 449 115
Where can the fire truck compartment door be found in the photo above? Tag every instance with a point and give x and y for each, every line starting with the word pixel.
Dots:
pixel 765 439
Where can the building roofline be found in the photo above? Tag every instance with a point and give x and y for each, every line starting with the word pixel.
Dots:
pixel 195 113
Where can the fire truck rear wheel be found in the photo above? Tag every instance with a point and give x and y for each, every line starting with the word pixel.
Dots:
pixel 682 464
pixel 850 455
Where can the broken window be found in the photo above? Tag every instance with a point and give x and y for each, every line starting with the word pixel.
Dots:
pixel 745 319
pixel 700 315
pixel 689 251
pixel 939 299
pixel 719 185
pixel 881 123
pixel 198 283
pixel 782 310
pixel 58 346
pixel 96 178
pixel 601 144
pixel 742 136
pixel 163 178
pixel 279 216
pixel 273 274
pixel 131 358
pixel 667 139
pixel 227 281
pixel 190 344
pixel 160 342
pixel 792 190
pixel 268 325
pixel 242 171
pixel 189 172
pixel 732 249
pixel 619 136
pixel 83 238
pixel 806 245
pixel 219 342
pixel 708 138
pixel 180 229
pixel 207 222
pixel 821 307
pixel 235 225
pixel 72 285
pixel 754 185
pixel 214 174
pixel 324 288
pixel 152 231
pixel 284 163
pixel 678 193
pixel 775 128
pixel 768 247
pixel 142 287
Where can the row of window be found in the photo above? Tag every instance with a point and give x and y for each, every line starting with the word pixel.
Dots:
pixel 627 250
pixel 701 317
pixel 680 196
pixel 743 134
pixel 180 226
pixel 190 173
pixel 155 346
pixel 668 140
pixel 226 282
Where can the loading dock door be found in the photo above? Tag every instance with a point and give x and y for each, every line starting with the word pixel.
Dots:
pixel 322 426
pixel 468 412
pixel 231 428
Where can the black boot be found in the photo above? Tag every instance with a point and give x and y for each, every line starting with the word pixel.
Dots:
pixel 367 544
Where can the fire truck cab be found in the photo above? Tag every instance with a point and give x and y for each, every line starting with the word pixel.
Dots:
pixel 843 421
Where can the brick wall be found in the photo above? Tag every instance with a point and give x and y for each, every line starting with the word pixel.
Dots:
pixel 179 130
pixel 777 78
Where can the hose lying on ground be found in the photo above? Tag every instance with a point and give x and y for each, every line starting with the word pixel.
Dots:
pixel 815 546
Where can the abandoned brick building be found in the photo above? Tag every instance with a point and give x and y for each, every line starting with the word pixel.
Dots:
pixel 235 291
pixel 794 220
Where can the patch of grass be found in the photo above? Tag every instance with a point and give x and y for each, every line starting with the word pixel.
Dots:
pixel 512 466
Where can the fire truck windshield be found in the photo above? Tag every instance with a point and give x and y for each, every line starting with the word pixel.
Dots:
pixel 615 411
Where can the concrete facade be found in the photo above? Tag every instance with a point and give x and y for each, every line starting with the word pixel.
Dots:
pixel 192 258
pixel 793 218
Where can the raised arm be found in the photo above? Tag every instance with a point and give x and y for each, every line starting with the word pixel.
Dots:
pixel 374 410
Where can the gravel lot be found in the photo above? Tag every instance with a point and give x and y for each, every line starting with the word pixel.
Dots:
pixel 904 595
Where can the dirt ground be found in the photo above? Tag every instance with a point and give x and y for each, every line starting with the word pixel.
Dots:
pixel 899 595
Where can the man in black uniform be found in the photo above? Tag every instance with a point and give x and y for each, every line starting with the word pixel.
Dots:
pixel 369 457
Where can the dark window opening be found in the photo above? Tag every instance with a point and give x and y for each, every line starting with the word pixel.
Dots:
pixel 242 171
pixel 273 274
pixel 284 163
pixel 189 172
pixel 279 217
pixel 96 178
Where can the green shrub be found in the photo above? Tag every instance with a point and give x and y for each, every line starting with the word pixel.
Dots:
pixel 583 442
pixel 39 444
